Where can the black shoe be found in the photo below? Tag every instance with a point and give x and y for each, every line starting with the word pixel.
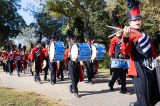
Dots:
pixel 111 87
pixel 39 81
pixel 91 82
pixel 70 89
pixel 53 82
pixel 124 90
pixel 32 74
pixel 18 75
pixel 132 104
pixel 45 79
pixel 119 82
pixel 35 79
pixel 76 95
pixel 58 77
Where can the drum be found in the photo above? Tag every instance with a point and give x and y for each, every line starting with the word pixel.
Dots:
pixel 44 64
pixel 33 66
pixel 117 63
pixel 80 52
pixel 127 63
pixel 98 51
pixel 56 51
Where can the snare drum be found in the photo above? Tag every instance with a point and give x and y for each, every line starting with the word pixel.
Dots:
pixel 80 52
pixel 127 63
pixel 56 51
pixel 98 51
pixel 117 63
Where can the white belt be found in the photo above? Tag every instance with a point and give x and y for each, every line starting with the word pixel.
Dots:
pixel 154 64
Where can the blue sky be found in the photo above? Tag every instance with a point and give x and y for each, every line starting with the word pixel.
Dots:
pixel 27 16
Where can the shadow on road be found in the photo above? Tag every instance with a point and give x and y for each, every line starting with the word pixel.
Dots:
pixel 130 91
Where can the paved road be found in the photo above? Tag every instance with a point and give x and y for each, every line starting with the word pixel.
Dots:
pixel 91 95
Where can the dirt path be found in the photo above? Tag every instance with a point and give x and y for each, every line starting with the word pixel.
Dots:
pixel 91 95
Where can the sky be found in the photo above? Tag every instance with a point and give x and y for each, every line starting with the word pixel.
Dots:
pixel 27 16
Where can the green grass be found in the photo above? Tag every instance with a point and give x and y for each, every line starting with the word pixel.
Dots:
pixel 106 71
pixel 11 97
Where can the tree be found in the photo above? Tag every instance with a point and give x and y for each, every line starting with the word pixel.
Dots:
pixel 83 15
pixel 149 13
pixel 61 8
pixel 10 21
pixel 28 36
pixel 47 24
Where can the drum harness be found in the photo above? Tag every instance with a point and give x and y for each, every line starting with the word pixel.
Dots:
pixel 149 63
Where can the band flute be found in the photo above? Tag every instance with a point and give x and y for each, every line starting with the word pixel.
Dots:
pixel 119 30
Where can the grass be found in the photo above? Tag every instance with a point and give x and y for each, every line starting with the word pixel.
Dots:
pixel 11 97
pixel 103 70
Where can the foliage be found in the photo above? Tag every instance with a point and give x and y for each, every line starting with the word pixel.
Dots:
pixel 96 14
pixel 98 19
pixel 82 15
pixel 28 36
pixel 61 8
pixel 151 17
pixel 10 20
pixel 47 24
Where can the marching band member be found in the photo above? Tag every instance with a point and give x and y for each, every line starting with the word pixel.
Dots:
pixel 46 58
pixel 60 70
pixel 139 46
pixel 24 59
pixel 10 59
pixel 30 63
pixel 60 63
pixel 90 66
pixel 18 60
pixel 66 57
pixel 4 62
pixel 115 52
pixel 73 68
pixel 37 56
pixel 53 65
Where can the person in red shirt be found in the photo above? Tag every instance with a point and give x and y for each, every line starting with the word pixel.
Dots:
pixel 30 63
pixel 119 73
pixel 66 57
pixel 18 61
pixel 139 46
pixel 46 58
pixel 4 61
pixel 37 56
pixel 10 59
pixel 115 52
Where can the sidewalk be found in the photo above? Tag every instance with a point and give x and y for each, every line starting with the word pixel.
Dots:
pixel 91 95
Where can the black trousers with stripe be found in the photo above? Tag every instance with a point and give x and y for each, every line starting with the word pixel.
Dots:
pixel 146 86
pixel 73 68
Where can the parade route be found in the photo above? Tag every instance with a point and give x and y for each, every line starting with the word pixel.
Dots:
pixel 91 95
